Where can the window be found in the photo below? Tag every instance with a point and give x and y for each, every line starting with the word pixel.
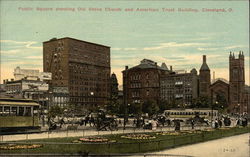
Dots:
pixel 21 111
pixel 13 111
pixel 28 111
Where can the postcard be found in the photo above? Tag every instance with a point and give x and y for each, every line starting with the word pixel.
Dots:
pixel 124 78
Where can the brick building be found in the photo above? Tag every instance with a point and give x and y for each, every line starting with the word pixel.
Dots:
pixel 81 67
pixel 179 87
pixel 142 82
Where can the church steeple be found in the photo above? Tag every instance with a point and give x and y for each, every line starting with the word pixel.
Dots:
pixel 204 65
pixel 205 78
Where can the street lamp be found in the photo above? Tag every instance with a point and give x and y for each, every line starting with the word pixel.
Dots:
pixel 125 116
pixel 92 97
pixel 238 107
pixel 212 108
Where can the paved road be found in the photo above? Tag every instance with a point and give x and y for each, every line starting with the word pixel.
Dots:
pixel 234 146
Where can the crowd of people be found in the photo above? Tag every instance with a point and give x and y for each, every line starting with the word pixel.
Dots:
pixel 153 123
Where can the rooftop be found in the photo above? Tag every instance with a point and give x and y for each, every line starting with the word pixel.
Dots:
pixel 54 39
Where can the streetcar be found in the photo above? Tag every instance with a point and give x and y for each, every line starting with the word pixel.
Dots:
pixel 190 113
pixel 18 115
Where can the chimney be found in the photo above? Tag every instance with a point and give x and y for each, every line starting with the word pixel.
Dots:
pixel 126 67
pixel 170 67
pixel 204 59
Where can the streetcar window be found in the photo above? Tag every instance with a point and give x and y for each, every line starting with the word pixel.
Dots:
pixel 35 111
pixel 28 111
pixel 13 111
pixel 21 111
pixel 6 110
pixel 1 110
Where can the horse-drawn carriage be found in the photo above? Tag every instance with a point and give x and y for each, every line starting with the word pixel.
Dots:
pixel 104 122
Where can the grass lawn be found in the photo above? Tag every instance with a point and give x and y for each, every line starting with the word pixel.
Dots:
pixel 125 145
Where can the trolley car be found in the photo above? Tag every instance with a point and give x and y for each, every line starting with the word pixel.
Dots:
pixel 18 115
pixel 190 113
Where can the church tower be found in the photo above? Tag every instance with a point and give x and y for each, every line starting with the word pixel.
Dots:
pixel 236 81
pixel 205 78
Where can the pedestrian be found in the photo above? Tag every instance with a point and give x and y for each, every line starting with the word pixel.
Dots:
pixel 86 121
pixel 154 124
pixel 134 122
pixel 192 123
pixel 244 122
pixel 177 125
pixel 216 124
pixel 213 124
pixel 61 122
pixel 220 123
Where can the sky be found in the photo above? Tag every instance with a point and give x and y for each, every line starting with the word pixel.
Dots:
pixel 178 38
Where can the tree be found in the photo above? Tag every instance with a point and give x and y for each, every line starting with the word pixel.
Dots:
pixel 150 107
pixel 200 102
pixel 74 109
pixel 136 109
pixel 113 106
pixel 55 111
pixel 221 104
pixel 164 105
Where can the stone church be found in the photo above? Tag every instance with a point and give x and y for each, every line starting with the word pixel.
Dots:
pixel 235 92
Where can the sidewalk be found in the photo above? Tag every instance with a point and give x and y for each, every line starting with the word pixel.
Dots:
pixel 234 146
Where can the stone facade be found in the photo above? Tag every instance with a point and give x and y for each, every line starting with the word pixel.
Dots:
pixel 81 67
pixel 30 74
pixel 236 82
pixel 179 87
pixel 28 89
pixel 235 91
pixel 220 87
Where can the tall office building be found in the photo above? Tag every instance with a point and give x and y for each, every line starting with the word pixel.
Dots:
pixel 81 67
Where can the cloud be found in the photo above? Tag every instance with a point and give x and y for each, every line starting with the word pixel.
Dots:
pixel 26 44
pixel 124 49
pixel 9 51
pixel 34 57
pixel 116 49
pixel 162 46
pixel 207 49
pixel 173 45
pixel 15 42
pixel 130 49
pixel 234 47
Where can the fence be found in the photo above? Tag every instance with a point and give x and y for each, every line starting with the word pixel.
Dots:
pixel 60 146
